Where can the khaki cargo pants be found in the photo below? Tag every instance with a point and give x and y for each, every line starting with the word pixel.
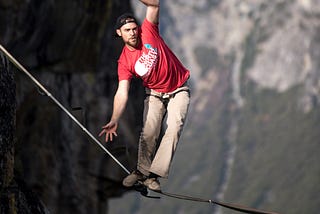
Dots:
pixel 165 111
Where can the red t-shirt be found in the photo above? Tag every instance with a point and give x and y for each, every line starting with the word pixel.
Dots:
pixel 153 61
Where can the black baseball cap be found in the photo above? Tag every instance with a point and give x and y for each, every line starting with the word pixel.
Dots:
pixel 124 19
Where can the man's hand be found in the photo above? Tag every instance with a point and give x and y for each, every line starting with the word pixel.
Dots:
pixel 152 10
pixel 154 3
pixel 110 130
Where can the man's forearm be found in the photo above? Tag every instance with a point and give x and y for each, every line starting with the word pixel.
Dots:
pixel 154 3
pixel 119 105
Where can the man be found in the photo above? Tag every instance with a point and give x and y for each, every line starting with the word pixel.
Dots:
pixel 145 55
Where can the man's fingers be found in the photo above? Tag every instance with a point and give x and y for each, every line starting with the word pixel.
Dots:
pixel 109 133
pixel 107 137
pixel 102 132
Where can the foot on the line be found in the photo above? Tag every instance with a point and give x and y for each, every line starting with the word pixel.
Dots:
pixel 133 178
pixel 152 184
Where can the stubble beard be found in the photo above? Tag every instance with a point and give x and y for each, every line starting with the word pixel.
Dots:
pixel 133 42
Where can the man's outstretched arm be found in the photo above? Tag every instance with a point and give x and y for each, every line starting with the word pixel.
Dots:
pixel 153 7
pixel 119 104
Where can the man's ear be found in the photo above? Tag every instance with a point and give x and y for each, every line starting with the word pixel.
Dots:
pixel 119 32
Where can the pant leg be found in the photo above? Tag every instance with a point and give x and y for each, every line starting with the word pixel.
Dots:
pixel 154 111
pixel 176 114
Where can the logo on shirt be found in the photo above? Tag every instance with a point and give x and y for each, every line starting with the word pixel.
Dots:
pixel 147 61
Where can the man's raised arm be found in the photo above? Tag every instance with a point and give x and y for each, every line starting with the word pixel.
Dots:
pixel 152 10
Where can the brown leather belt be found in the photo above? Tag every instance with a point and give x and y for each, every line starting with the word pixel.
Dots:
pixel 169 95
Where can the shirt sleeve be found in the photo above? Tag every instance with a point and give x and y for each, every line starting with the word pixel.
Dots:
pixel 150 30
pixel 123 72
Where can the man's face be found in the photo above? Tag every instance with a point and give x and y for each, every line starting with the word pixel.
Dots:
pixel 129 33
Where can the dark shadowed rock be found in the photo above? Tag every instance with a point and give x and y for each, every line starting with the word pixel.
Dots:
pixel 70 48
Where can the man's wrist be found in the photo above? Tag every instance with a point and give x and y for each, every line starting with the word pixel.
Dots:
pixel 113 120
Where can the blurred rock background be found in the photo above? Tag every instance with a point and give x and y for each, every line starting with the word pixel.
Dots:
pixel 253 131
pixel 252 135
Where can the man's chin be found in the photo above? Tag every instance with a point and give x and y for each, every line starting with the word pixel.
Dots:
pixel 133 44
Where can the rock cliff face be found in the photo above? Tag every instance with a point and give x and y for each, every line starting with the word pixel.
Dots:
pixel 69 47
pixel 282 32
pixel 252 136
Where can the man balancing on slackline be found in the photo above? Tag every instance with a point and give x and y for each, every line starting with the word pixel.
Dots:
pixel 146 55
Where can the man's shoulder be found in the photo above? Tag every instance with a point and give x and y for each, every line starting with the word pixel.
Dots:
pixel 149 29
pixel 128 56
pixel 125 51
